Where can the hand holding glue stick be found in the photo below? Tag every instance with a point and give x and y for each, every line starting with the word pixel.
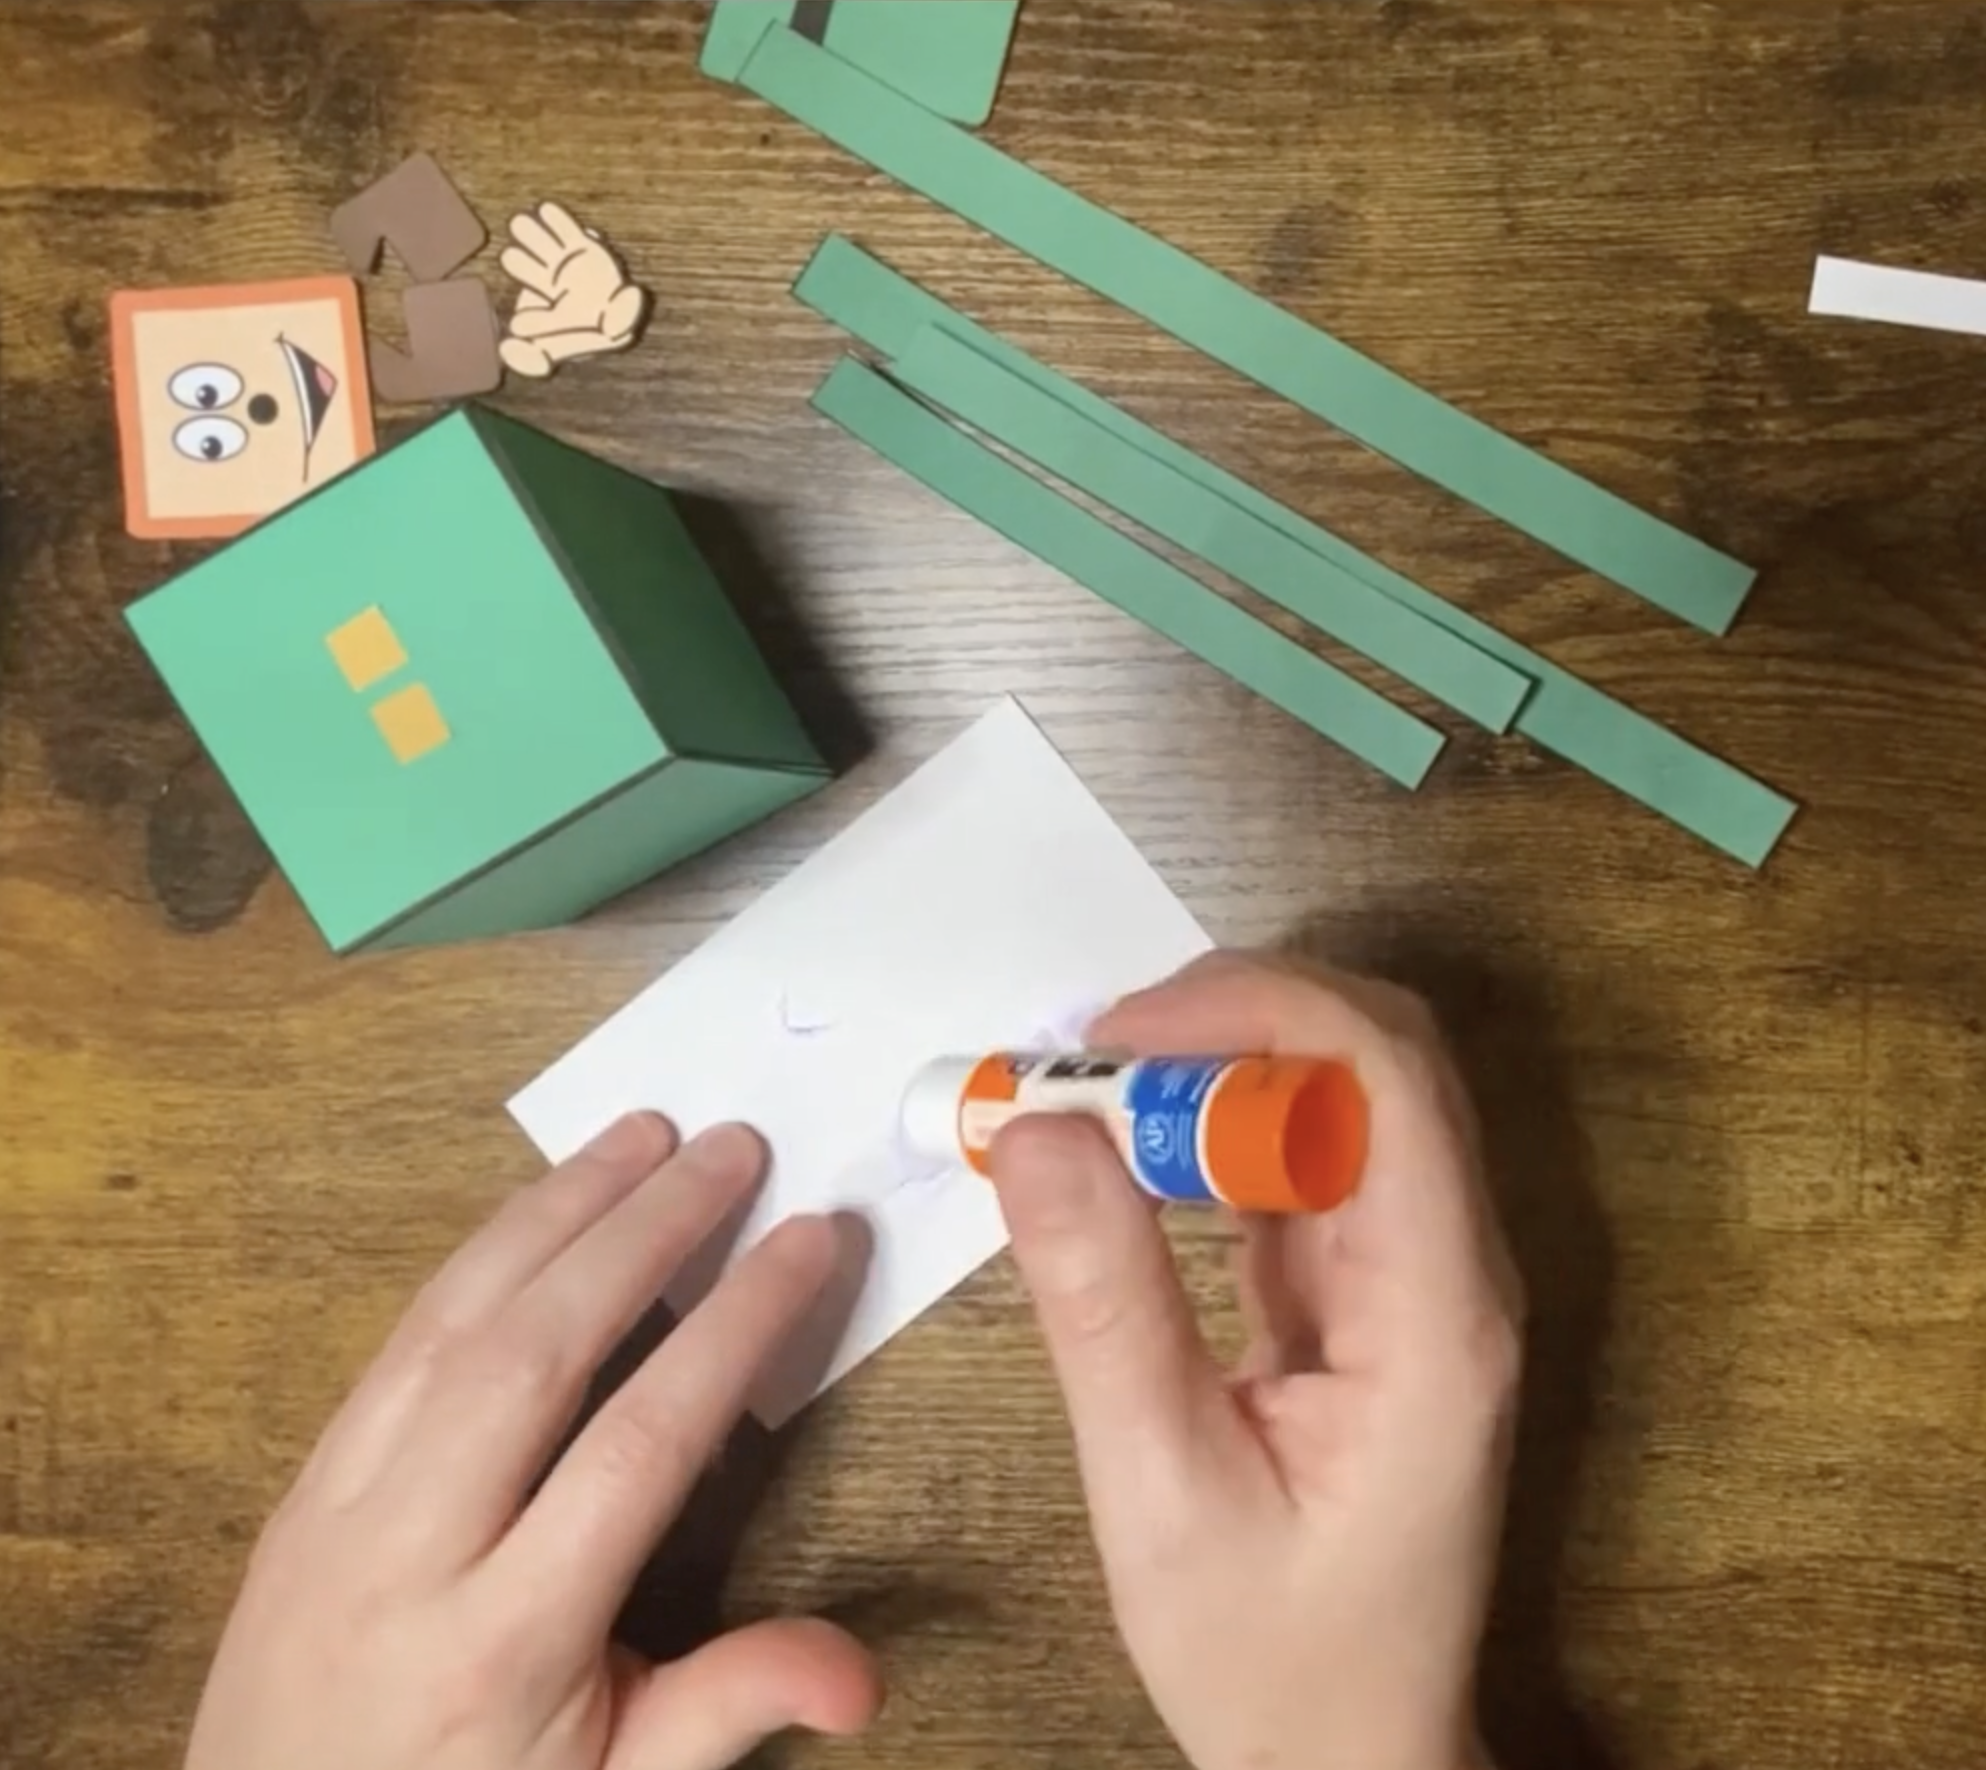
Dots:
pixel 1268 1134
pixel 1299 1549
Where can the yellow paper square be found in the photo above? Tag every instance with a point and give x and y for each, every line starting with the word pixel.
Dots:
pixel 411 723
pixel 366 649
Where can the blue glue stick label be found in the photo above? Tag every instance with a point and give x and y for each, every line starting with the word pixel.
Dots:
pixel 1166 1103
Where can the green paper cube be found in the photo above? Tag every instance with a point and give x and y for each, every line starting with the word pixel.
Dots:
pixel 481 683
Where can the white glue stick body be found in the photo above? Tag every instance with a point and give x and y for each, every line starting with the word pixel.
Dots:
pixel 1282 1134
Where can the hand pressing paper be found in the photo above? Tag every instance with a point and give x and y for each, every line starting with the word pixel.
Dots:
pixel 985 901
pixel 575 300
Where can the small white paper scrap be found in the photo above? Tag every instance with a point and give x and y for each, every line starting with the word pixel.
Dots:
pixel 985 899
pixel 1848 290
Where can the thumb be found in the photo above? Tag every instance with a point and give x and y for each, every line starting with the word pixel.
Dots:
pixel 714 1707
pixel 525 358
pixel 1136 1375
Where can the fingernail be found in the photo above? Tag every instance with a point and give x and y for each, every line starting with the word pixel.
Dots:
pixel 726 1145
pixel 640 1136
pixel 808 1240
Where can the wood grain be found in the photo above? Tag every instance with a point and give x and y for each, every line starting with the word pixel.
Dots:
pixel 1737 1120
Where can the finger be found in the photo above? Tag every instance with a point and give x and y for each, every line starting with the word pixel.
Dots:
pixel 543 321
pixel 566 347
pixel 621 319
pixel 1251 1000
pixel 589 1300
pixel 540 1223
pixel 1140 1386
pixel 531 234
pixel 501 1400
pixel 599 1514
pixel 532 1229
pixel 524 359
pixel 713 1708
pixel 528 300
pixel 1277 1276
pixel 530 270
pixel 559 224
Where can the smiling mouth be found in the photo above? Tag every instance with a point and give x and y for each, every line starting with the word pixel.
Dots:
pixel 316 388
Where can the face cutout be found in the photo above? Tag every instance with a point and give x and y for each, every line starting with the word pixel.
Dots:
pixel 234 401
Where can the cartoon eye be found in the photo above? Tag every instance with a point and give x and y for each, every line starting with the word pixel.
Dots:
pixel 210 439
pixel 205 387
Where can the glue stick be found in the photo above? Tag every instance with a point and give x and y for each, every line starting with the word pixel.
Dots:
pixel 1282 1134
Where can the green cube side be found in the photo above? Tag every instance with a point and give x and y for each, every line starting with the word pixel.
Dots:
pixel 681 809
pixel 657 603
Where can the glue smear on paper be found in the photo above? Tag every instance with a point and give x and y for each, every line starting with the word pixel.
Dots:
pixel 966 911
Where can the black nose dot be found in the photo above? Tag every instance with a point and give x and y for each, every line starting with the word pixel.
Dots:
pixel 262 409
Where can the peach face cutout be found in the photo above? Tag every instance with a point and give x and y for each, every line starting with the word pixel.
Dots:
pixel 236 400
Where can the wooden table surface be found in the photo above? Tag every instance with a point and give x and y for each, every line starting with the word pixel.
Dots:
pixel 1737 1120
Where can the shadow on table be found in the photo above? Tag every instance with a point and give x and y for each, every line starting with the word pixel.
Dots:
pixel 1506 1045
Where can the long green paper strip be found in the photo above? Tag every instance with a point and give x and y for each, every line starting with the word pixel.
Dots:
pixel 1077 449
pixel 1664 771
pixel 1176 292
pixel 1040 519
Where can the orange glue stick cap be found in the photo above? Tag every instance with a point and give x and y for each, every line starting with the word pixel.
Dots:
pixel 1287 1134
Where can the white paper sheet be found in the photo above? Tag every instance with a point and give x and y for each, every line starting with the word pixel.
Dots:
pixel 1848 290
pixel 988 902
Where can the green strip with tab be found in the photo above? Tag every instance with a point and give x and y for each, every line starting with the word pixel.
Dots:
pixel 1077 449
pixel 1133 578
pixel 948 58
pixel 1197 304
pixel 734 32
pixel 1664 771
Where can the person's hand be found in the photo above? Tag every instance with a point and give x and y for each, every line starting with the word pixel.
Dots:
pixel 1299 1553
pixel 575 299
pixel 415 1605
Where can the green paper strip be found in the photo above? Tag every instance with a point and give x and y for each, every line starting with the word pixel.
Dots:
pixel 1077 449
pixel 1666 772
pixel 735 29
pixel 947 58
pixel 1176 292
pixel 1133 578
